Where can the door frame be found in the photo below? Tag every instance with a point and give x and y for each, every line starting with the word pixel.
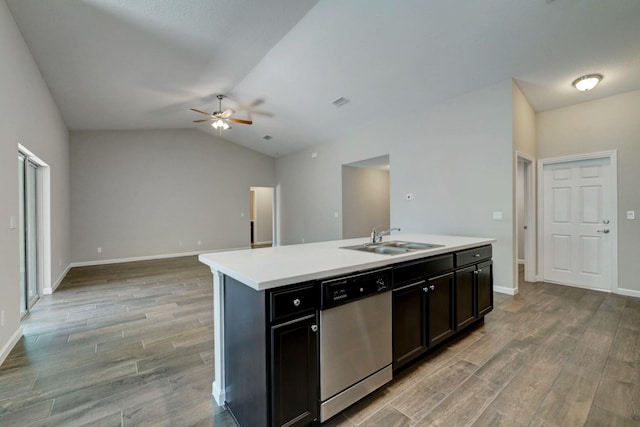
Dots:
pixel 530 261
pixel 613 226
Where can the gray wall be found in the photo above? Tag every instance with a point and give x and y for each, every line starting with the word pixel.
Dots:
pixel 365 201
pixel 605 124
pixel 143 193
pixel 456 159
pixel 28 116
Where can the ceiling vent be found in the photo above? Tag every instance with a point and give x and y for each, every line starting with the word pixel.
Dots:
pixel 341 101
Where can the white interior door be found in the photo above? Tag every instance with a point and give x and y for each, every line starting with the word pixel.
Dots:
pixel 577 223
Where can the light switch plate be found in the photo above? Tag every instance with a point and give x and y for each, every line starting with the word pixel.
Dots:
pixel 497 216
pixel 631 214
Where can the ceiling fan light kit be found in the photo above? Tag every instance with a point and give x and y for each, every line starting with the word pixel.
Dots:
pixel 220 119
pixel 587 82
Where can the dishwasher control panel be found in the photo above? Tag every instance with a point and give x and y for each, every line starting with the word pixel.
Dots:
pixel 342 290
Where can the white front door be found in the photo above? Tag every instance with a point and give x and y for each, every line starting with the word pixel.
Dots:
pixel 577 223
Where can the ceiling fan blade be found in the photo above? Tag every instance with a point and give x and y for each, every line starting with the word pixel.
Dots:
pixel 203 120
pixel 226 113
pixel 198 111
pixel 244 122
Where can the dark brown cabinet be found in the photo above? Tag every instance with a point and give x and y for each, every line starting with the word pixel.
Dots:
pixel 409 326
pixel 436 297
pixel 474 285
pixel 422 307
pixel 294 372
pixel 271 354
pixel 439 297
pixel 465 297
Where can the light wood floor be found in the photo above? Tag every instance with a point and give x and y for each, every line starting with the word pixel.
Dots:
pixel 131 344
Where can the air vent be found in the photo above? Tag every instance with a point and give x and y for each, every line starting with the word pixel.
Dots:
pixel 341 101
pixel 267 137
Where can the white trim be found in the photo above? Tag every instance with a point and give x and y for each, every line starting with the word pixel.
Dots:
pixel 51 290
pixel 628 292
pixel 573 285
pixel 10 344
pixel 612 155
pixel 149 257
pixel 218 387
pixel 505 290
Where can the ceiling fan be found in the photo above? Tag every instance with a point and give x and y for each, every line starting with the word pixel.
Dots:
pixel 220 119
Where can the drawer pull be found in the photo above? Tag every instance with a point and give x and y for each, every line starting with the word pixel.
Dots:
pixel 426 289
pixel 432 287
pixel 479 270
pixel 314 328
pixel 477 255
pixel 297 302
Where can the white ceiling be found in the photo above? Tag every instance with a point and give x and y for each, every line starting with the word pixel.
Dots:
pixel 122 64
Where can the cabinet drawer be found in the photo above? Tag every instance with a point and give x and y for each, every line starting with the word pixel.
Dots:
pixel 471 256
pixel 428 267
pixel 293 301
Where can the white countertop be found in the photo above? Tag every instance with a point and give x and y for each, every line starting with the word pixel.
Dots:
pixel 267 268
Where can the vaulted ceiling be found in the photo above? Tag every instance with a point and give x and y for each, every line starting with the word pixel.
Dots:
pixel 122 64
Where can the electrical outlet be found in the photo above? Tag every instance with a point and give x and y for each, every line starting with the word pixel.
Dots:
pixel 314 155
pixel 180 244
pixel 631 214
pixel 99 250
pixel 199 242
pixel 497 216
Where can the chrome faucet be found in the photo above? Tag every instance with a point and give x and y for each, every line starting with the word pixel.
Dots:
pixel 377 237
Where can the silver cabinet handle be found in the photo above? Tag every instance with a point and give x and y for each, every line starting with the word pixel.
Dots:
pixel 426 289
pixel 314 328
pixel 605 231
pixel 479 270
pixel 475 272
pixel 297 302
pixel 477 255
pixel 432 287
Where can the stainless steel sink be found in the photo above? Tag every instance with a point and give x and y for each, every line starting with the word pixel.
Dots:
pixel 394 247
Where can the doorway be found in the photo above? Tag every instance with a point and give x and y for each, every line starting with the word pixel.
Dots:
pixel 525 216
pixel 365 197
pixel 261 216
pixel 578 205
pixel 28 228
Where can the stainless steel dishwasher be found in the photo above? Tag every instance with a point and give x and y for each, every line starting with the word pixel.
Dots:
pixel 355 339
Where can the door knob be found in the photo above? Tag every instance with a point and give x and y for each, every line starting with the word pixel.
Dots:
pixel 605 231
pixel 297 302
pixel 605 221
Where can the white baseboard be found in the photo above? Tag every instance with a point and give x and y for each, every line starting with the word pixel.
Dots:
pixel 628 292
pixel 9 345
pixel 505 290
pixel 217 394
pixel 147 257
pixel 49 291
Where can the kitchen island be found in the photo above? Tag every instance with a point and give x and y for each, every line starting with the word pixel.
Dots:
pixel 255 279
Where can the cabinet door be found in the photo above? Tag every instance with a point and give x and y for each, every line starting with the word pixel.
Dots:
pixel 440 308
pixel 484 281
pixel 465 298
pixel 409 325
pixel 294 372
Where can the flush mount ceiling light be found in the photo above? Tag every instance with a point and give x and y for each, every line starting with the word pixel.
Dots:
pixel 588 82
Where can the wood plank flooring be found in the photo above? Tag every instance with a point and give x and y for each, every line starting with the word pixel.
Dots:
pixel 131 345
